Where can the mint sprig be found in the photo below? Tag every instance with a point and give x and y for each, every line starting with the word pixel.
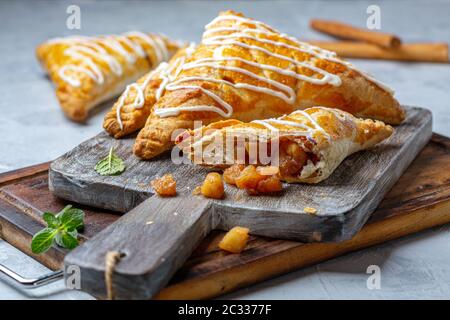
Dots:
pixel 110 165
pixel 62 229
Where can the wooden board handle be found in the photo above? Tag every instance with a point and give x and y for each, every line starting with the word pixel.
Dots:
pixel 154 240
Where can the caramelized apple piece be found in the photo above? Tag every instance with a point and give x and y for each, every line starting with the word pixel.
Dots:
pixel 259 180
pixel 292 158
pixel 165 186
pixel 268 170
pixel 271 184
pixel 212 187
pixel 230 174
pixel 249 178
pixel 295 152
pixel 235 240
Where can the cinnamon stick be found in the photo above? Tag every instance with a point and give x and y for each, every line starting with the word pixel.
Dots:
pixel 426 52
pixel 345 31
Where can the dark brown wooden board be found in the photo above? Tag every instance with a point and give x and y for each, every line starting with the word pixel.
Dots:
pixel 419 200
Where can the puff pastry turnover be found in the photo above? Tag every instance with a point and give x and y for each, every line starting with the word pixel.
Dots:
pixel 133 107
pixel 310 143
pixel 89 70
pixel 246 70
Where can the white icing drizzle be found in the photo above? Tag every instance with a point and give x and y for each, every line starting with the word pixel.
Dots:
pixel 268 124
pixel 240 19
pixel 168 75
pixel 164 72
pixel 157 44
pixel 308 130
pixel 284 92
pixel 74 82
pixel 289 95
pixel 116 46
pixel 87 49
pixel 282 122
pixel 322 53
pixel 310 119
pixel 135 46
pixel 139 100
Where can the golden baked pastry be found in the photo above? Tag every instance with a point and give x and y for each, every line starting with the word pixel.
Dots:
pixel 89 70
pixel 133 107
pixel 307 145
pixel 246 70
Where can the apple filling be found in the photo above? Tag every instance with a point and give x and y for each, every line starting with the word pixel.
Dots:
pixel 166 186
pixel 293 158
pixel 255 180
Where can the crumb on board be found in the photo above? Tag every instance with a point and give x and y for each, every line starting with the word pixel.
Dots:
pixel 238 197
pixel 310 210
pixel 317 236
pixel 235 240
pixel 213 187
pixel 149 222
pixel 166 186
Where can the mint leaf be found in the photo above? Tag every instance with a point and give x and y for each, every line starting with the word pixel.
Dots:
pixel 62 229
pixel 58 237
pixel 68 240
pixel 63 210
pixel 111 165
pixel 43 240
pixel 72 219
pixel 51 219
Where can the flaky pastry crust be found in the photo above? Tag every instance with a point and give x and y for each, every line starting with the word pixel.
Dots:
pixel 89 70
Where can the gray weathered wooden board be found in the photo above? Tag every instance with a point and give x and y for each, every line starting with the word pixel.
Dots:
pixel 343 201
pixel 152 252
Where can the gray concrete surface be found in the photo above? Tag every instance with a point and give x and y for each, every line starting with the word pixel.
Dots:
pixel 33 130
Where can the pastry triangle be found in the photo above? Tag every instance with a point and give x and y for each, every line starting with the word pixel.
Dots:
pixel 306 145
pixel 89 70
pixel 246 70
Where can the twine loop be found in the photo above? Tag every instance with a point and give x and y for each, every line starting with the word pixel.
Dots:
pixel 112 258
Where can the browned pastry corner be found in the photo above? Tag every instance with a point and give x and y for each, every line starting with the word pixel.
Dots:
pixel 89 70
pixel 246 70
